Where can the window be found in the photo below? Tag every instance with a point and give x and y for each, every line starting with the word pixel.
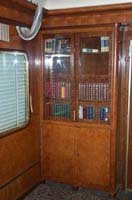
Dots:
pixel 14 91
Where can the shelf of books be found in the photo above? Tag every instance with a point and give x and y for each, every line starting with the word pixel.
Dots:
pixel 57 110
pixel 94 113
pixel 57 90
pixel 93 91
pixel 57 78
pixel 58 45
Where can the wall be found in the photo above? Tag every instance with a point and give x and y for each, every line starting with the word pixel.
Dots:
pixel 20 151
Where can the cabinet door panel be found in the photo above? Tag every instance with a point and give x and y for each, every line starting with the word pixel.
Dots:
pixel 58 152
pixel 93 157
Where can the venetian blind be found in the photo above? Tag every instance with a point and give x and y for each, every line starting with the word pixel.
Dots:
pixel 13 90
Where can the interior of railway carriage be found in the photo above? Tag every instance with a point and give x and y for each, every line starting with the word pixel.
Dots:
pixel 65 99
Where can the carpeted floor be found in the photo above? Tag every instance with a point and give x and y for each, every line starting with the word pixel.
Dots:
pixel 57 191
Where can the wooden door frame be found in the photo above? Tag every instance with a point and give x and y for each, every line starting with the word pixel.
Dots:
pixel 124 40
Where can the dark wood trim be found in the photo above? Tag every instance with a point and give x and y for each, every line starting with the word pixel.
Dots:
pixel 125 76
pixel 97 15
pixel 19 5
pixel 86 10
pixel 23 183
pixel 17 12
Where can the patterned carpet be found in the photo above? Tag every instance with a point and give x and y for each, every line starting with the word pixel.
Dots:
pixel 57 191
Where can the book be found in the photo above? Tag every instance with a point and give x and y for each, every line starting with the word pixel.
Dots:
pixel 104 42
pixel 63 91
pixel 103 113
pixel 81 112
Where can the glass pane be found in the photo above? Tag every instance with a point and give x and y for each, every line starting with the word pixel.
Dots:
pixel 57 78
pixel 94 56
pixel 57 65
pixel 94 79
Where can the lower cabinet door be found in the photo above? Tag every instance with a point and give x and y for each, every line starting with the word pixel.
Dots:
pixel 78 156
pixel 58 153
pixel 93 157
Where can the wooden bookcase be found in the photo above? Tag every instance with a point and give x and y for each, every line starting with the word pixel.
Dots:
pixel 77 83
pixel 79 107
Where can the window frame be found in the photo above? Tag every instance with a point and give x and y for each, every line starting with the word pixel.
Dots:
pixel 19 128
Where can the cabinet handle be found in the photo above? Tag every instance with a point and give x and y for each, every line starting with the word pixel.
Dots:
pixel 31 105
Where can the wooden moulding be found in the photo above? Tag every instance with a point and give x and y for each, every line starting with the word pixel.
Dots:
pixel 116 7
pixel 85 16
pixel 16 12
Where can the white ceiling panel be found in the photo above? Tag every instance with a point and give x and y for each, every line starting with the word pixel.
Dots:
pixel 60 4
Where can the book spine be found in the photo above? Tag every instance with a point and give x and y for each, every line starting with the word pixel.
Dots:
pixel 103 113
pixel 106 44
pixel 68 90
pixel 84 112
pixel 102 44
pixel 79 91
pixel 53 45
pixel 63 91
pixel 80 112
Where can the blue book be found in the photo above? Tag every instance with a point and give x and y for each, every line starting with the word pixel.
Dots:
pixel 103 113
pixel 90 112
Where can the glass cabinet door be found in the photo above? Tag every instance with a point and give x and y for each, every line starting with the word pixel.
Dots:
pixel 93 78
pixel 58 72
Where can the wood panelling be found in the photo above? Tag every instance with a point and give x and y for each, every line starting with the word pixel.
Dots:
pixel 129 164
pixel 21 185
pixel 126 32
pixel 34 52
pixel 15 42
pixel 122 108
pixel 74 29
pixel 20 151
pixel 16 12
pixel 93 157
pixel 22 6
pixel 58 153
pixel 129 177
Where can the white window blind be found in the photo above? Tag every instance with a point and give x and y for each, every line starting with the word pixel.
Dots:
pixel 14 102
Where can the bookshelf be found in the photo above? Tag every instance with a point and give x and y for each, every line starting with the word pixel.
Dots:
pixel 78 90
pixel 80 107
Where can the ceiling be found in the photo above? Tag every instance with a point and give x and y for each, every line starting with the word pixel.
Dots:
pixel 60 4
